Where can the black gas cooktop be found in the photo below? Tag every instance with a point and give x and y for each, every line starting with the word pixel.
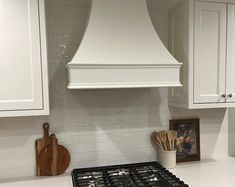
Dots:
pixel 149 174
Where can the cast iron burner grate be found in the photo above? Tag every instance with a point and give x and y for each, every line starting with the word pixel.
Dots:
pixel 150 174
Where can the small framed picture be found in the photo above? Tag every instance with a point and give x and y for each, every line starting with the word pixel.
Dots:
pixel 188 139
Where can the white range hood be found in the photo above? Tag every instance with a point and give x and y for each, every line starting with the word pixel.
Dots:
pixel 121 49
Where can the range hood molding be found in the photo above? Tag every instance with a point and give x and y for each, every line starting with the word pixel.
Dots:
pixel 121 49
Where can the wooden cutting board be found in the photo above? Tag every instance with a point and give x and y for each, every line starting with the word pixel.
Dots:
pixel 54 159
pixel 40 144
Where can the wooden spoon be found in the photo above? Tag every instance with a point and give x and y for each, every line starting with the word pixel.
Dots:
pixel 173 135
pixel 157 143
pixel 163 138
pixel 169 138
pixel 158 138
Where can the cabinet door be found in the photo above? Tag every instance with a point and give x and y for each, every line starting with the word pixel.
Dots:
pixel 20 56
pixel 209 52
pixel 230 79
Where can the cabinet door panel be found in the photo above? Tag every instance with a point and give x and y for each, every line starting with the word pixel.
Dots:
pixel 209 52
pixel 230 79
pixel 20 59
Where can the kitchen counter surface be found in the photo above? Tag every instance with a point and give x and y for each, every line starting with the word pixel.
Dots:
pixel 57 181
pixel 206 173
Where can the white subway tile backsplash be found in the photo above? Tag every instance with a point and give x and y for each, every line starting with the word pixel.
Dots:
pixel 99 127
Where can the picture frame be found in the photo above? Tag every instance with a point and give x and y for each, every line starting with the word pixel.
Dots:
pixel 188 139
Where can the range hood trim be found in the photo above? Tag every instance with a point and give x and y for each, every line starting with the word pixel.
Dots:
pixel 92 76
pixel 74 65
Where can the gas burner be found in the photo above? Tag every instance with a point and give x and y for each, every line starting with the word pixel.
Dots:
pixel 154 179
pixel 149 174
pixel 92 184
pixel 120 172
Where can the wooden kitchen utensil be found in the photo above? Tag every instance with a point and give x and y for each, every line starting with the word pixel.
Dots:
pixel 40 144
pixel 54 159
pixel 158 138
pixel 155 141
pixel 170 137
pixel 174 136
pixel 163 139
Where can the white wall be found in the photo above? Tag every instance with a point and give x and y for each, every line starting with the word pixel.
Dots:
pixel 99 127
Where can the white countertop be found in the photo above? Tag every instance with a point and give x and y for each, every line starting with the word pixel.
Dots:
pixel 198 174
pixel 57 181
pixel 207 173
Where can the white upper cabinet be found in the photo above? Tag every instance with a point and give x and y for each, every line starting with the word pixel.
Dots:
pixel 207 48
pixel 230 75
pixel 216 1
pixel 23 61
pixel 209 52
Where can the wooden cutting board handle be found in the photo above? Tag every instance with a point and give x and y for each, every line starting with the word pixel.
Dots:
pixel 40 144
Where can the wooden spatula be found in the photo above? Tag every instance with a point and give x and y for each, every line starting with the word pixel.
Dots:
pixel 40 144
pixel 53 159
